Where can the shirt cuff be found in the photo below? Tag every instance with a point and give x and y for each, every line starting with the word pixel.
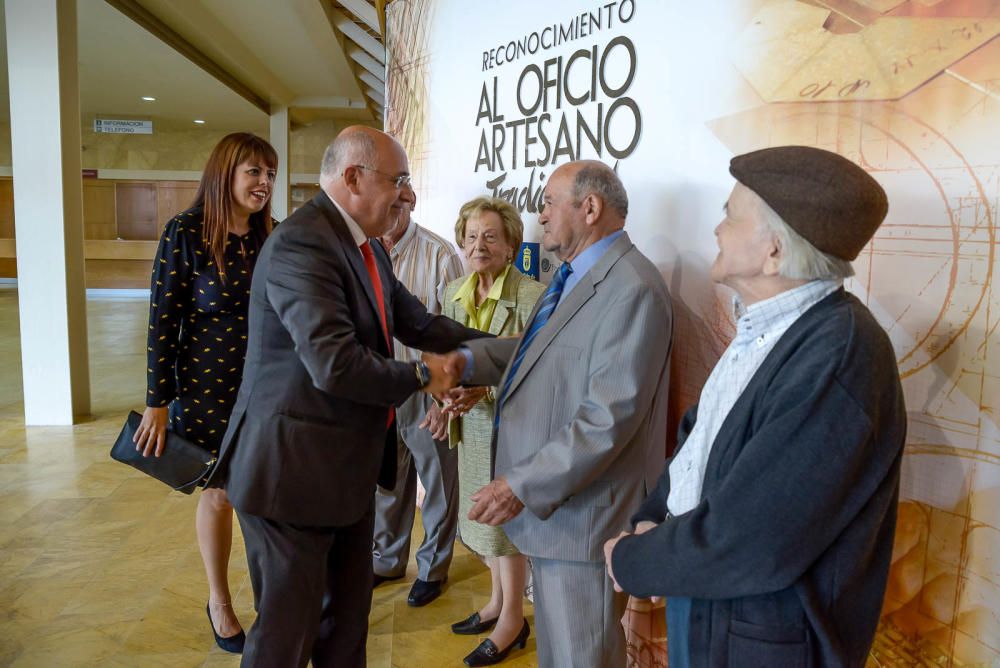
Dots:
pixel 470 364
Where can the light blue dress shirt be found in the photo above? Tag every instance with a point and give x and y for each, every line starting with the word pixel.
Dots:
pixel 583 262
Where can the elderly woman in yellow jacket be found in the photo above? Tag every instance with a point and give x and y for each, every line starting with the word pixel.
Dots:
pixel 496 298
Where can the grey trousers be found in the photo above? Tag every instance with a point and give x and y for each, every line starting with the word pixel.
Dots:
pixel 578 615
pixel 437 466
pixel 312 589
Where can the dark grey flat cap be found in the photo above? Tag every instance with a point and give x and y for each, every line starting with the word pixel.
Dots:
pixel 830 201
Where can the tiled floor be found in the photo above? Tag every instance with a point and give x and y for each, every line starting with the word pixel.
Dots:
pixel 98 564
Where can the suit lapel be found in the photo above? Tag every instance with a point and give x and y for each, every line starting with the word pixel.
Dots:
pixel 500 317
pixel 507 303
pixel 569 306
pixel 353 254
pixel 573 302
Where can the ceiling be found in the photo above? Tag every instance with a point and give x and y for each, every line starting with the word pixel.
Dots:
pixel 227 62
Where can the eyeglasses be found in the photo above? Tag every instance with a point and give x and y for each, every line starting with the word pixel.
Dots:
pixel 401 181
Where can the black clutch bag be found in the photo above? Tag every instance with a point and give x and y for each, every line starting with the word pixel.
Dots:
pixel 182 465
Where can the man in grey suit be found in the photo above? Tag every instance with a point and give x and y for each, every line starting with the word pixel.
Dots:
pixel 582 412
pixel 312 428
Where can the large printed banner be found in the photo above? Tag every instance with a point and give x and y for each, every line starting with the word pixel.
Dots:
pixel 489 99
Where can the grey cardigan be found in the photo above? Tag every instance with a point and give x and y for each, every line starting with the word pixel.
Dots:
pixel 786 556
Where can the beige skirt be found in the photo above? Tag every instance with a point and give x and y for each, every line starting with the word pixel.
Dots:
pixel 474 474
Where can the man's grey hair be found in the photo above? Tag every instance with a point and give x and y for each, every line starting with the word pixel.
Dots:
pixel 601 180
pixel 352 148
pixel 801 260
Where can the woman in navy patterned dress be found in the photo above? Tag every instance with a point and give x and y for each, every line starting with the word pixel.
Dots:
pixel 197 339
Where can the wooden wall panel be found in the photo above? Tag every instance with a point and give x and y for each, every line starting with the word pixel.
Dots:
pixel 116 249
pixel 118 273
pixel 172 197
pixel 112 210
pixel 6 208
pixel 100 273
pixel 136 207
pixel 145 207
pixel 99 210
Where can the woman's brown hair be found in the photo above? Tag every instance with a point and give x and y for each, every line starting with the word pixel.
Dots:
pixel 215 195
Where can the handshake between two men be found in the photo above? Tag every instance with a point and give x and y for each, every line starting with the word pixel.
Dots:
pixel 445 374
pixel 495 503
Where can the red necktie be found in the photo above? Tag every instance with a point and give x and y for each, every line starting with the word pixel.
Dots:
pixel 366 252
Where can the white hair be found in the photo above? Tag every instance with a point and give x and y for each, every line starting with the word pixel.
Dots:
pixel 350 148
pixel 800 260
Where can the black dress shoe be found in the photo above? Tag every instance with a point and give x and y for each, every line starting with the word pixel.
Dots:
pixel 487 653
pixel 232 644
pixel 379 579
pixel 473 625
pixel 423 592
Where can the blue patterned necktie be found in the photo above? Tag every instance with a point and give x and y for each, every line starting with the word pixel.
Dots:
pixel 548 304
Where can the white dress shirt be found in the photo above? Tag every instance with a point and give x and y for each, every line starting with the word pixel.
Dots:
pixel 758 328
pixel 356 232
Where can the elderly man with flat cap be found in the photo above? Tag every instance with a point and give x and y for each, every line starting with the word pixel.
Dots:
pixel 770 531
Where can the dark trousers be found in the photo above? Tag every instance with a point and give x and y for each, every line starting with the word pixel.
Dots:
pixel 312 589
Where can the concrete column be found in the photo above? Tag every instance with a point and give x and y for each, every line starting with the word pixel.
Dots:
pixel 48 209
pixel 280 200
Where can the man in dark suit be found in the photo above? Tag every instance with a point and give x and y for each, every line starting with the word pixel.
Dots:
pixel 310 434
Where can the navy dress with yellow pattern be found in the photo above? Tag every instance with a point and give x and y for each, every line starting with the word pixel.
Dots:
pixel 197 339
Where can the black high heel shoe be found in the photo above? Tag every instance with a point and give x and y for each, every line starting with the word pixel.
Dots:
pixel 473 625
pixel 487 653
pixel 233 644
